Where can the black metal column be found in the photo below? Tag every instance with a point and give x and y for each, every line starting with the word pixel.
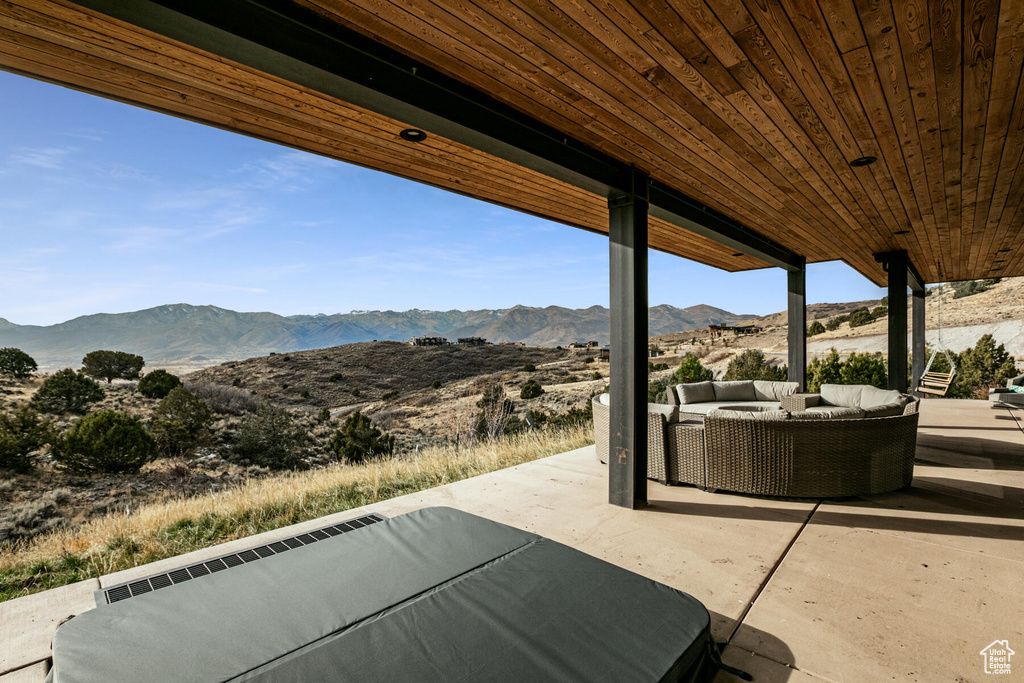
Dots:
pixel 896 266
pixel 627 458
pixel 917 336
pixel 797 343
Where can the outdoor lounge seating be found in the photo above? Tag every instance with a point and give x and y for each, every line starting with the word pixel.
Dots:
pixel 1009 396
pixel 850 440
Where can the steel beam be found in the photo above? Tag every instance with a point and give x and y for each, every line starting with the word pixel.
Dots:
pixel 917 344
pixel 797 326
pixel 897 266
pixel 287 40
pixel 627 453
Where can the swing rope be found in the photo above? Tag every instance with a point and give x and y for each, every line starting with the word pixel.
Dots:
pixel 931 359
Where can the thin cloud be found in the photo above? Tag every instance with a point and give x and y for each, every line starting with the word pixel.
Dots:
pixel 51 158
pixel 143 239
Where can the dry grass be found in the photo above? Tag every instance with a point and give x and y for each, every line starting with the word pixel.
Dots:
pixel 153 532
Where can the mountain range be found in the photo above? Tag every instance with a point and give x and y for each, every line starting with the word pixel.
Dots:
pixel 201 335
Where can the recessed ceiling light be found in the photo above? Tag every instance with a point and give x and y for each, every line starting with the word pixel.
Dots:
pixel 413 135
pixel 738 253
pixel 1002 251
pixel 863 161
pixel 902 232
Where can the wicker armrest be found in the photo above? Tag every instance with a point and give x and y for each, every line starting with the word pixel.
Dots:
pixel 686 453
pixel 795 403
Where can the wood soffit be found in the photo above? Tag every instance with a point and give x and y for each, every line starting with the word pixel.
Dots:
pixel 753 107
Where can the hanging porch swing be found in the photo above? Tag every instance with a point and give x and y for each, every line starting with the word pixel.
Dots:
pixel 937 383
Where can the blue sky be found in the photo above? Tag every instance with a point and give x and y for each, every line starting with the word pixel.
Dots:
pixel 110 208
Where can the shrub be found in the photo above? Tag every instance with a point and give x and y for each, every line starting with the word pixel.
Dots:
pixel 105 442
pixel 532 389
pixel 654 367
pixel 270 438
pixel 157 384
pixel 358 440
pixel 181 422
pixel 336 377
pixel 970 287
pixel 529 367
pixel 859 368
pixel 984 366
pixel 833 324
pixel 596 376
pixel 66 391
pixel 16 363
pixel 388 395
pixel 111 365
pixel 824 371
pixel 436 384
pixel 815 328
pixel 657 391
pixel 356 392
pixel 21 434
pixel 31 519
pixel 864 368
pixel 224 399
pixel 324 415
pixel 495 413
pixel 861 316
pixel 690 370
pixel 751 364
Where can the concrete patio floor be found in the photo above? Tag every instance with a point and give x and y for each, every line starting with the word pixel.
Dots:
pixel 910 585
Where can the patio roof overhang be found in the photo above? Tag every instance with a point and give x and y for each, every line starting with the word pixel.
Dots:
pixel 746 117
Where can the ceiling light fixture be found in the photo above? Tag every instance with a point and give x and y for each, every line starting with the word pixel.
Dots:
pixel 738 253
pixel 863 161
pixel 413 135
pixel 902 232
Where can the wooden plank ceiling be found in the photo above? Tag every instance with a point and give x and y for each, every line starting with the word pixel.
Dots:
pixel 754 107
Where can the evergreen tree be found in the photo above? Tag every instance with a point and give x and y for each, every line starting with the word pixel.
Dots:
pixel 691 370
pixel 21 434
pixel 824 371
pixel 111 365
pixel 158 384
pixel 105 442
pixel 66 391
pixel 16 363
pixel 358 440
pixel 751 364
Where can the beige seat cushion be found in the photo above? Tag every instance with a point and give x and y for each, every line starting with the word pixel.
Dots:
pixel 828 412
pixel 884 410
pixel 873 396
pixel 845 395
pixel 697 392
pixel 742 390
pixel 773 391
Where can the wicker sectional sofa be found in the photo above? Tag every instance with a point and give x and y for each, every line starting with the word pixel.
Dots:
pixel 850 440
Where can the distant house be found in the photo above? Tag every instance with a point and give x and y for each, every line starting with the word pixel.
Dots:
pixel 579 345
pixel 605 353
pixel 511 343
pixel 720 330
pixel 471 341
pixel 592 344
pixel 429 341
pixel 653 353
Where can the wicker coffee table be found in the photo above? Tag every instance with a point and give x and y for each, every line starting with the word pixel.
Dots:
pixel 797 403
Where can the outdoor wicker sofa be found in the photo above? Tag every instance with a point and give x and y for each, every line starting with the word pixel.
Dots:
pixel 850 440
pixel 1008 396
